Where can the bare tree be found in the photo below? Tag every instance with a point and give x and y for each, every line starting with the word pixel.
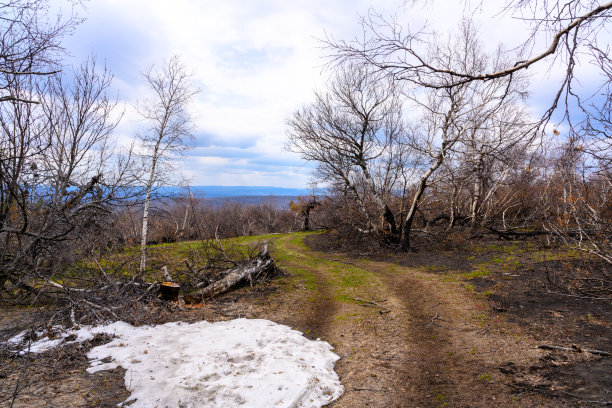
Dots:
pixel 401 52
pixel 169 129
pixel 29 44
pixel 56 184
pixel 491 152
pixel 79 127
pixel 302 207
pixel 453 115
pixel 354 133
pixel 575 35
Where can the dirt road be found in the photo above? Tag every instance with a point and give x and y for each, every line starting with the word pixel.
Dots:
pixel 407 338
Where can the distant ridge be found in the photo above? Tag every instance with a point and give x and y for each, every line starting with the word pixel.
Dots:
pixel 238 191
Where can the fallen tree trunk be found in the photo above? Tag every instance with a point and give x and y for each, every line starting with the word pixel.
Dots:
pixel 234 276
pixel 510 234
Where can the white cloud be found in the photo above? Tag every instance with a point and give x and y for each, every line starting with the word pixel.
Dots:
pixel 255 62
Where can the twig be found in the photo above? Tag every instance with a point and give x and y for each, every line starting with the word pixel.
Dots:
pixel 101 307
pixel 227 258
pixel 385 309
pixel 437 304
pixel 432 320
pixel 153 285
pixel 581 297
pixel 214 302
pixel 366 389
pixel 57 285
pixel 574 349
pixel 536 390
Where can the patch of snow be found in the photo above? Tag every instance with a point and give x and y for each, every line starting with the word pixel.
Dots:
pixel 236 363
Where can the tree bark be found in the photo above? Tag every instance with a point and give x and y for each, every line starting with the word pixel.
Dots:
pixel 145 214
pixel 237 275
pixel 405 246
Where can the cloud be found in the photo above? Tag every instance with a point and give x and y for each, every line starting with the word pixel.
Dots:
pixel 255 63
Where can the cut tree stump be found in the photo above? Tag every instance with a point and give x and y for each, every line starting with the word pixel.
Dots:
pixel 169 291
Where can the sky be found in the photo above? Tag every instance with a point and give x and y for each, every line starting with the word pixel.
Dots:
pixel 255 63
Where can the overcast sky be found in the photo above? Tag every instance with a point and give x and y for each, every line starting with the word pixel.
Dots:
pixel 254 61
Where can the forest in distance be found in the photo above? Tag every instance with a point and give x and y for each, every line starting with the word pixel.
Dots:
pixel 455 235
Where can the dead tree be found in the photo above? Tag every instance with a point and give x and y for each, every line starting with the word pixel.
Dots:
pixel 454 114
pixel 353 131
pixel 56 188
pixel 576 32
pixel 250 270
pixel 303 207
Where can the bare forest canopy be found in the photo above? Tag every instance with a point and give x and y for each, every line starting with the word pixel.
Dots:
pixel 415 130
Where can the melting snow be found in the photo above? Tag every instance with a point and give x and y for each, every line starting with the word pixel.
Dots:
pixel 237 363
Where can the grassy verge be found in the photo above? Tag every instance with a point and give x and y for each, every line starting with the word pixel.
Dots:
pixel 310 269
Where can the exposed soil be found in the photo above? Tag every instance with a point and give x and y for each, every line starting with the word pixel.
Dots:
pixel 416 330
pixel 530 291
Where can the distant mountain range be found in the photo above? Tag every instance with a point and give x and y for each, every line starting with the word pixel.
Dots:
pixel 241 191
pixel 218 196
pixel 235 191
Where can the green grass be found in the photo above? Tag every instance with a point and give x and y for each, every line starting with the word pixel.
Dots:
pixel 481 271
pixel 485 377
pixel 125 262
pixel 292 255
pixel 348 316
pixel 432 268
pixel 478 273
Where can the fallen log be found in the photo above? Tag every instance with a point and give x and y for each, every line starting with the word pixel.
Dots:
pixel 252 269
pixel 510 234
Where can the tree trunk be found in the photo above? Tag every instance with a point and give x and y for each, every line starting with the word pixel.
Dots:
pixel 446 144
pixel 405 245
pixel 145 226
pixel 307 219
pixel 237 275
pixel 390 219
pixel 388 216
pixel 478 186
pixel 145 214
pixel 451 220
